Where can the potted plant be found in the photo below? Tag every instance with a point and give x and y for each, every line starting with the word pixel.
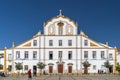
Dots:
pixel 108 66
pixel 18 67
pixel 86 64
pixel 41 66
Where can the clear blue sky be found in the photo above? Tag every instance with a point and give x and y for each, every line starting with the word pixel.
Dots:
pixel 21 19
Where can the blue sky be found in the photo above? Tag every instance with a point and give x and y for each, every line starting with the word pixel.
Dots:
pixel 21 19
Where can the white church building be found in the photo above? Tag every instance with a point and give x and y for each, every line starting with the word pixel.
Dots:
pixel 61 48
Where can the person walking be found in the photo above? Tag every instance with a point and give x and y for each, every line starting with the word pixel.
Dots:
pixel 29 75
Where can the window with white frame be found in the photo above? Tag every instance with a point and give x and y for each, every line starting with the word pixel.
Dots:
pixel 9 56
pixel 26 55
pixel 69 55
pixel 86 54
pixel 60 42
pixel 34 54
pixel 102 54
pixel 110 56
pixel 50 42
pixel 94 54
pixel 17 54
pixel 25 67
pixel 69 42
pixel 50 55
pixel 94 67
pixel 34 42
pixel 85 42
pixel 60 54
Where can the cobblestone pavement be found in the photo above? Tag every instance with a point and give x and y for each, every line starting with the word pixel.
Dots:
pixel 66 77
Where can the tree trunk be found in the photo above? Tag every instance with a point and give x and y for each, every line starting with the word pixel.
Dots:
pixel 85 70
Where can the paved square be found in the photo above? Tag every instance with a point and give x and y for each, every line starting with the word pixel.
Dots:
pixel 66 77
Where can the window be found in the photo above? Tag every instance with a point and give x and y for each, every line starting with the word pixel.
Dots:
pixel 94 67
pixel 110 56
pixel 50 42
pixel 69 55
pixel 50 55
pixel 25 67
pixel 9 56
pixel 17 54
pixel 26 55
pixel 1 55
pixel 85 54
pixel 69 42
pixel 85 42
pixel 102 55
pixel 60 25
pixel 1 67
pixel 60 54
pixel 94 54
pixel 34 54
pixel 34 42
pixel 60 42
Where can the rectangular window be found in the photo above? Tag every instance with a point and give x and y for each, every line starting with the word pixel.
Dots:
pixel 60 54
pixel 102 55
pixel 60 42
pixel 50 55
pixel 85 54
pixel 34 42
pixel 94 67
pixel 85 42
pixel 50 42
pixel 17 54
pixel 34 54
pixel 69 42
pixel 25 67
pixel 69 55
pixel 1 55
pixel 110 56
pixel 9 56
pixel 94 54
pixel 26 55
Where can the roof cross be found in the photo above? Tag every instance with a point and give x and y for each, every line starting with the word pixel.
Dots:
pixel 60 14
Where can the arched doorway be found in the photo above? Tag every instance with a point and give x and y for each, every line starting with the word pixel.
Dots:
pixel 69 67
pixel 60 68
pixel 50 67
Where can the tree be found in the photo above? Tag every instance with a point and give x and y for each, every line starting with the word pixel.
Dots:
pixel 108 65
pixel 1 66
pixel 86 64
pixel 18 66
pixel 41 66
pixel 9 69
pixel 118 68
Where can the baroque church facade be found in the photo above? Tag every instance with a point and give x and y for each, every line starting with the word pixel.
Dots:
pixel 61 48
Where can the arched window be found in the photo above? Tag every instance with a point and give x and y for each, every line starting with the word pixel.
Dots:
pixel 60 26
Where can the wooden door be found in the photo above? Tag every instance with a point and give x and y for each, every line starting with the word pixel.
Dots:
pixel 50 69
pixel 60 68
pixel 69 69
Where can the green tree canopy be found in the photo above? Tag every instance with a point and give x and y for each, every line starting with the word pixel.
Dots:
pixel 107 64
pixel 41 65
pixel 18 66
pixel 86 64
pixel 118 67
